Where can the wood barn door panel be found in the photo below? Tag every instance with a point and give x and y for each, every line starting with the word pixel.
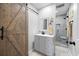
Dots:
pixel 2 47
pixel 4 21
pixel 5 14
pixel 16 34
pixel 15 9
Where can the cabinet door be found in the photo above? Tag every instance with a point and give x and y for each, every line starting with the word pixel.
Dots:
pixel 43 45
pixel 49 46
pixel 37 43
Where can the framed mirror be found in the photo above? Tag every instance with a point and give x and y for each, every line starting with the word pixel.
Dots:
pixel 45 24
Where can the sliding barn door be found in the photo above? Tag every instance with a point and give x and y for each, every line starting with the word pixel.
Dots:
pixel 13 20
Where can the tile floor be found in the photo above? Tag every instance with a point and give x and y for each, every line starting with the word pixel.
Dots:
pixel 62 50
pixel 59 51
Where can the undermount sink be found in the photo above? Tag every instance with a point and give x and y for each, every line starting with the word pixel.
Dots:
pixel 45 35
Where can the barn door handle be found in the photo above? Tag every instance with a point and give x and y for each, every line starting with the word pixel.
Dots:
pixel 2 32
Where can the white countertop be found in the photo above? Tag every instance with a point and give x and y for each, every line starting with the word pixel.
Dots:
pixel 46 35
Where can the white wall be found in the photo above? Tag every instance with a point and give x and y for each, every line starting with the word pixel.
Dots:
pixel 32 26
pixel 47 12
pixel 78 20
pixel 74 30
pixel 77 40
pixel 60 20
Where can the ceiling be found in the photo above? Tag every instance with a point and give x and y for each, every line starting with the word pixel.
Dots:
pixel 39 6
pixel 63 10
pixel 60 11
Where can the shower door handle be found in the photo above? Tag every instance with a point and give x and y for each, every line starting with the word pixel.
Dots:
pixel 2 32
pixel 73 43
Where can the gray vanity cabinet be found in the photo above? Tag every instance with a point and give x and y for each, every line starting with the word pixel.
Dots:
pixel 44 44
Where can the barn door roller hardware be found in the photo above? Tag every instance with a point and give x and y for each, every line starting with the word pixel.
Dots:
pixel 1 32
